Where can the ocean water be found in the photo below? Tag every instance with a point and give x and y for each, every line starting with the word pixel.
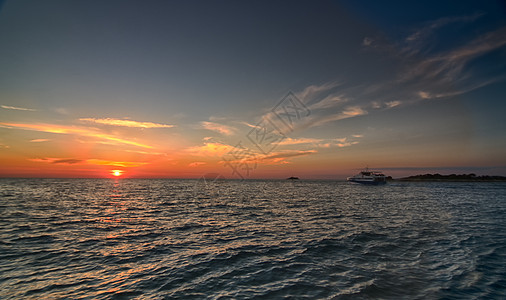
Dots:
pixel 171 239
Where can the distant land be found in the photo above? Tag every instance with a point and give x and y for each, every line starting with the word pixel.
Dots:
pixel 452 177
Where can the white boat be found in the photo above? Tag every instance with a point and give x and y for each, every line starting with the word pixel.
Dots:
pixel 368 177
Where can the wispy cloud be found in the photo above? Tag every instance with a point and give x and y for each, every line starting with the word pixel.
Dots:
pixel 146 152
pixel 196 164
pixel 126 123
pixel 282 157
pixel 425 31
pixel 211 149
pixel 425 95
pixel 392 104
pixel 66 161
pixel 249 125
pixel 298 141
pixel 61 110
pixel 353 111
pixel 445 94
pixel 80 131
pixel 347 112
pixel 319 104
pixel 329 102
pixel 345 143
pixel 322 143
pixel 444 73
pixel 39 140
pixel 125 164
pixel 274 158
pixel 367 41
pixel 314 91
pixel 69 161
pixel 446 67
pixel 223 129
pixel 100 162
pixel 17 108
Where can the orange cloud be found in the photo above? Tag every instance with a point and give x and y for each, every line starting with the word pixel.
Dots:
pixel 99 162
pixel 82 131
pixel 67 161
pixel 125 164
pixel 126 123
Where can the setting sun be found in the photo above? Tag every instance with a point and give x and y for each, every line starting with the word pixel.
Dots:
pixel 117 172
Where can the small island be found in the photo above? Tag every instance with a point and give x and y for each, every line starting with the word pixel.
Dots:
pixel 453 177
pixel 292 178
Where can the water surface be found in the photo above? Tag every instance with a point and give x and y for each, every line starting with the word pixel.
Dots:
pixel 164 239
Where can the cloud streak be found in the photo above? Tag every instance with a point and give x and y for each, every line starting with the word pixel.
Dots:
pixel 213 126
pixel 211 149
pixel 80 131
pixel 315 91
pixel 282 157
pixel 17 108
pixel 65 161
pixel 290 141
pixel 196 164
pixel 329 102
pixel 99 162
pixel 274 158
pixel 448 67
pixel 347 112
pixel 322 143
pixel 124 164
pixel 125 123
pixel 424 32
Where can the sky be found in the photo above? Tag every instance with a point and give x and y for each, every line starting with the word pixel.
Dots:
pixel 251 89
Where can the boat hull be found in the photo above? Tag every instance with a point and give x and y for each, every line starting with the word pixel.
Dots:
pixel 366 182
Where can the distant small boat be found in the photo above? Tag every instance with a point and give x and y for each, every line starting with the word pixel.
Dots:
pixel 293 178
pixel 368 177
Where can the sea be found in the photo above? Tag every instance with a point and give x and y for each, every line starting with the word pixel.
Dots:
pixel 251 239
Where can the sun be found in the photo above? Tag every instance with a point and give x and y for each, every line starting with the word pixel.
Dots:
pixel 117 173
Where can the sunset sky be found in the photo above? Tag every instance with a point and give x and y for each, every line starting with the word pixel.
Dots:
pixel 179 89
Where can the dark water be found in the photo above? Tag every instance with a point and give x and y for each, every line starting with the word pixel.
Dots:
pixel 156 239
